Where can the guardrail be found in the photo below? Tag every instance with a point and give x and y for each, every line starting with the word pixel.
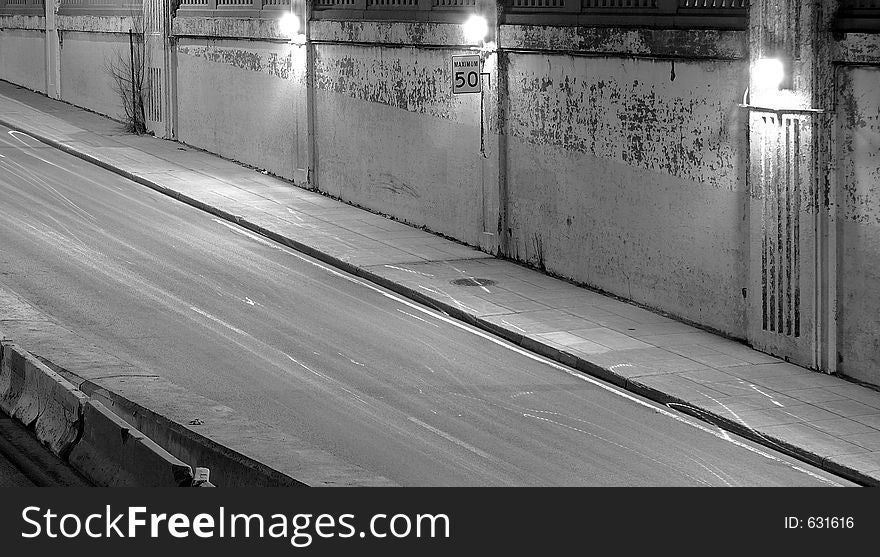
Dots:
pixel 233 8
pixel 22 7
pixel 397 10
pixel 101 7
pixel 692 14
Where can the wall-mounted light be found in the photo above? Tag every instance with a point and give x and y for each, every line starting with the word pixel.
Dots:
pixel 768 74
pixel 290 25
pixel 475 29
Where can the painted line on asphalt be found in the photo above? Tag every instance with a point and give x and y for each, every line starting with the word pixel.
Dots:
pixel 218 321
pixel 535 357
pixel 452 439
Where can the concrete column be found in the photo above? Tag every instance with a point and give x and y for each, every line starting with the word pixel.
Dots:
pixel 312 143
pixel 53 50
pixel 791 258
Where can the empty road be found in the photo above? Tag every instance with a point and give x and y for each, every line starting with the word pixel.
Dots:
pixel 354 370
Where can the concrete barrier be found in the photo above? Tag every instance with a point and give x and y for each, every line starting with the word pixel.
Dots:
pixel 41 399
pixel 112 453
pixel 11 382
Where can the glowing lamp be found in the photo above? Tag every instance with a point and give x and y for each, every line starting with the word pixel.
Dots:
pixel 289 25
pixel 768 74
pixel 475 29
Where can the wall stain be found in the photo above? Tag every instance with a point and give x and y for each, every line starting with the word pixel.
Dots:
pixel 411 84
pixel 388 181
pixel 626 120
pixel 271 63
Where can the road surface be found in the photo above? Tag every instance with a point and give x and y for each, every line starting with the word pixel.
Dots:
pixel 354 370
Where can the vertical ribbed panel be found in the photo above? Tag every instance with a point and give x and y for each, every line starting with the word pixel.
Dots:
pixel 780 255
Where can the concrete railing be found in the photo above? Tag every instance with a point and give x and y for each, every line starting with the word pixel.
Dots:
pixel 693 14
pixel 100 7
pixel 233 8
pixel 22 7
pixel 393 10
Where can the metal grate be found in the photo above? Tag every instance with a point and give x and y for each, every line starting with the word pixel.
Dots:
pixel 398 4
pixel 780 254
pixel 454 3
pixel 541 4
pixel 714 4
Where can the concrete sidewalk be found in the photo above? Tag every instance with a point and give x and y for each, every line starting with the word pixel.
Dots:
pixel 826 420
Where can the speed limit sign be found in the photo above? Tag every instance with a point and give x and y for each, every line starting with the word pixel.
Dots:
pixel 466 74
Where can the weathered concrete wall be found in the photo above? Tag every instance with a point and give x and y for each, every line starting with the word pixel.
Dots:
pixel 392 137
pixel 85 78
pixel 244 100
pixel 23 52
pixel 628 175
pixel 858 112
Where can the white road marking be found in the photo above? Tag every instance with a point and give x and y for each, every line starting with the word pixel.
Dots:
pixel 325 377
pixel 451 439
pixel 575 374
pixel 218 321
pixel 419 318
pixel 609 441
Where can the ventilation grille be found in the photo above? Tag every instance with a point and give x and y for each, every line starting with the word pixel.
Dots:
pixel 153 102
pixel 780 256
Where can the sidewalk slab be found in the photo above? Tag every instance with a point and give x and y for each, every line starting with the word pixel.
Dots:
pixel 826 420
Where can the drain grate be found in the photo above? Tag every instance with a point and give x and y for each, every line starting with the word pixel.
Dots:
pixel 472 281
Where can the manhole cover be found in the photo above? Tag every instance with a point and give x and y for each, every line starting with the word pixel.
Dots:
pixel 473 281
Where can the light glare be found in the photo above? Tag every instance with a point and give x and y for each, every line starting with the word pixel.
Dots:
pixel 289 24
pixel 768 74
pixel 475 29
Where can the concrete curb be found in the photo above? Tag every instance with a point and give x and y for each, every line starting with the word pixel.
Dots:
pixel 111 453
pixel 525 342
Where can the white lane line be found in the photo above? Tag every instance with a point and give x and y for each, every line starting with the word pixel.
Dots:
pixel 419 318
pixel 575 374
pixel 451 439
pixel 610 442
pixel 325 378
pixel 218 321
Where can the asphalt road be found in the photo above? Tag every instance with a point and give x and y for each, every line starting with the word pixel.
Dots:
pixel 355 370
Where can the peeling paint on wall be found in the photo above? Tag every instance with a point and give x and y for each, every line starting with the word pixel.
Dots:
pixel 256 61
pixel 405 79
pixel 627 180
pixel 630 112
pixel 702 43
pixel 858 111
pixel 860 145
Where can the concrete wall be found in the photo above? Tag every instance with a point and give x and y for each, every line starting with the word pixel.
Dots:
pixel 244 100
pixel 85 78
pixel 392 137
pixel 23 52
pixel 627 175
pixel 859 222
